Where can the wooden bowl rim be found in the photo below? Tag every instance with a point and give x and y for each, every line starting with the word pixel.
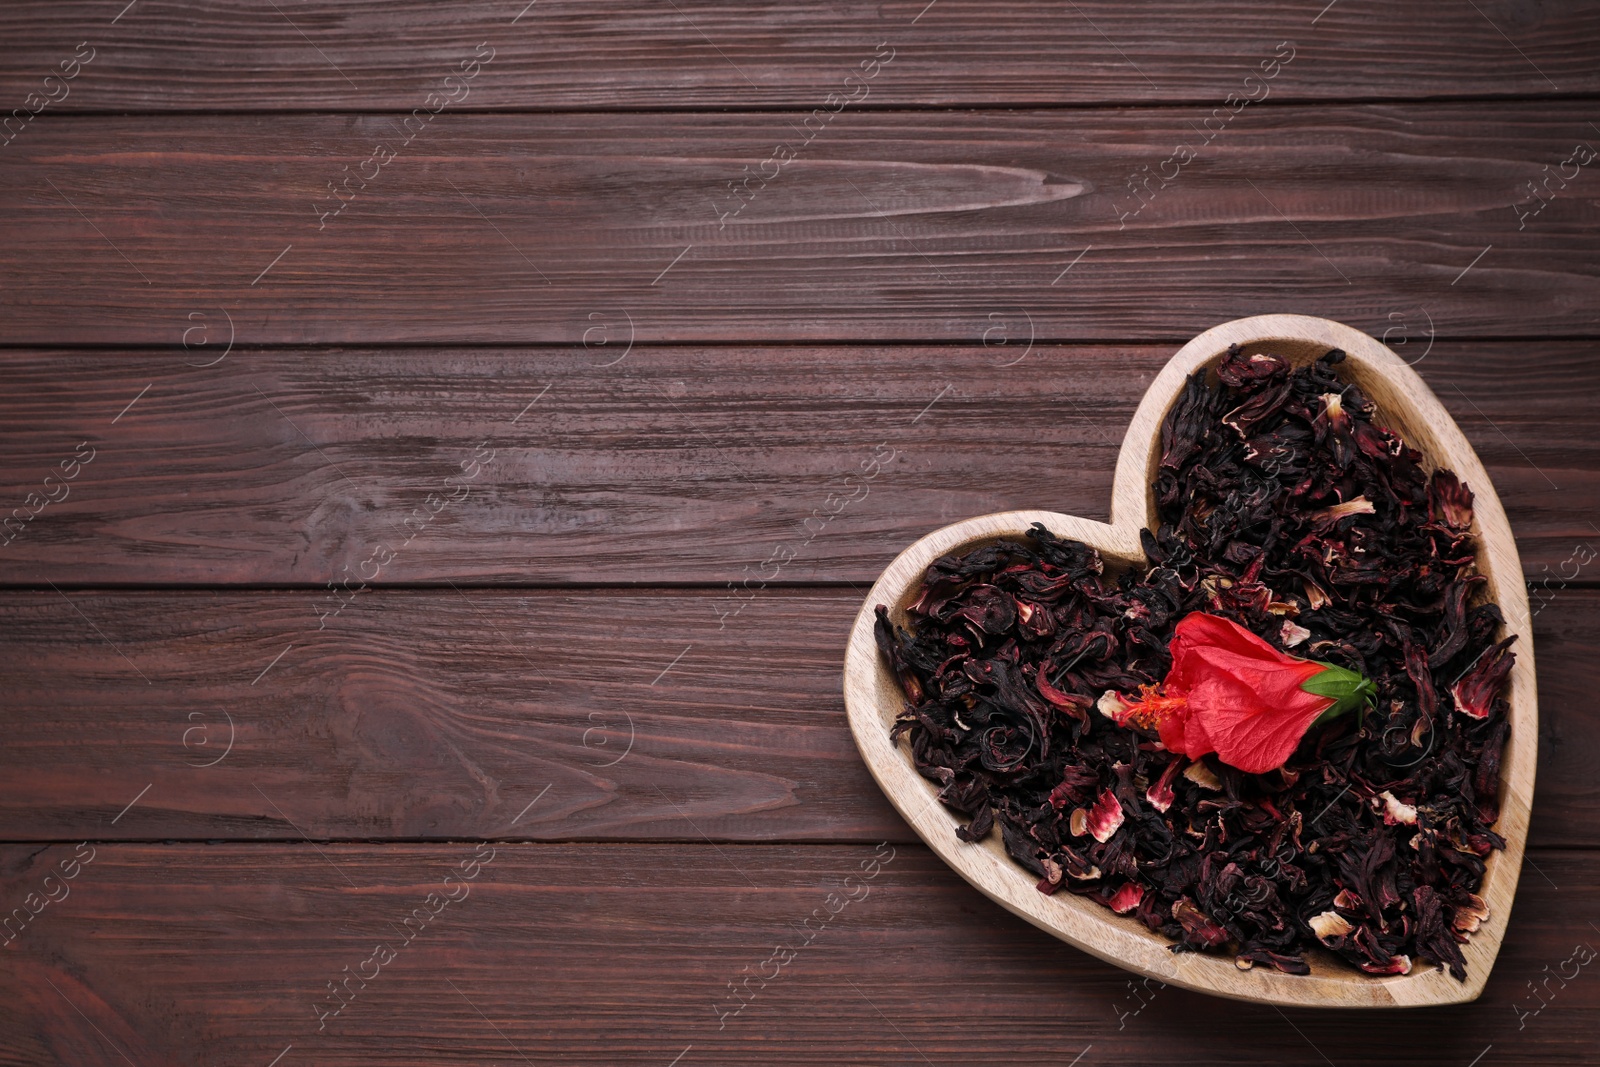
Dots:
pixel 873 697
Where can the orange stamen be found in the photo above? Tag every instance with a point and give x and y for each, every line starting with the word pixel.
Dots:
pixel 1152 708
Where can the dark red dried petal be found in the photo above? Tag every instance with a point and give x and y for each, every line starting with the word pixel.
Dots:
pixel 1449 500
pixel 1394 965
pixel 1475 693
pixel 1126 899
pixel 1073 704
pixel 1160 794
pixel 1198 927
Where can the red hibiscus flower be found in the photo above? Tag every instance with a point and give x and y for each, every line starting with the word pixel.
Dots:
pixel 1231 693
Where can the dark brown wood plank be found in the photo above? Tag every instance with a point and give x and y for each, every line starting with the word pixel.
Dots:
pixel 889 226
pixel 442 715
pixel 671 465
pixel 362 54
pixel 625 955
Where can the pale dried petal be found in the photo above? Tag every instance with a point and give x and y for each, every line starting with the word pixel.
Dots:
pixel 1396 811
pixel 1293 634
pixel 1315 595
pixel 1105 817
pixel 1471 915
pixel 1356 506
pixel 1330 925
pixel 1078 822
pixel 1111 704
pixel 1201 775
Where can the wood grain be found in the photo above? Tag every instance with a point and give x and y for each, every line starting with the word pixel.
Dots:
pixel 277 467
pixel 179 186
pixel 573 953
pixel 365 55
pixel 889 226
pixel 441 714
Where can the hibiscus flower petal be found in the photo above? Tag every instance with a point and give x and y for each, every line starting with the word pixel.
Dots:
pixel 1276 681
pixel 1186 735
pixel 1249 733
pixel 1212 631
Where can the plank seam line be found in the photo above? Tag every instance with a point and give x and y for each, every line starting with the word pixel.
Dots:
pixel 589 842
pixel 843 344
pixel 984 106
pixel 446 584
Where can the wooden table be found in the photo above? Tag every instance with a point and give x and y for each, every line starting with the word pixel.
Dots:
pixel 425 645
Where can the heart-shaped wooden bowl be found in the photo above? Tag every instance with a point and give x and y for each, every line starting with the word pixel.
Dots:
pixel 1405 405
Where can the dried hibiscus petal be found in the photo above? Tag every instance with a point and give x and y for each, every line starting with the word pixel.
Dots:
pixel 1052 876
pixel 1160 794
pixel 1105 818
pixel 1393 965
pixel 1396 811
pixel 1476 690
pixel 1249 957
pixel 1126 899
pixel 1201 775
pixel 1450 500
pixel 1329 926
pixel 1470 915
pixel 1198 927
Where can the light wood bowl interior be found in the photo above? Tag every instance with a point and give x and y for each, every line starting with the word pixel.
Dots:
pixel 1406 405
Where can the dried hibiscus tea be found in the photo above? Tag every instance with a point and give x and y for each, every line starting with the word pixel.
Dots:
pixel 1282 737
